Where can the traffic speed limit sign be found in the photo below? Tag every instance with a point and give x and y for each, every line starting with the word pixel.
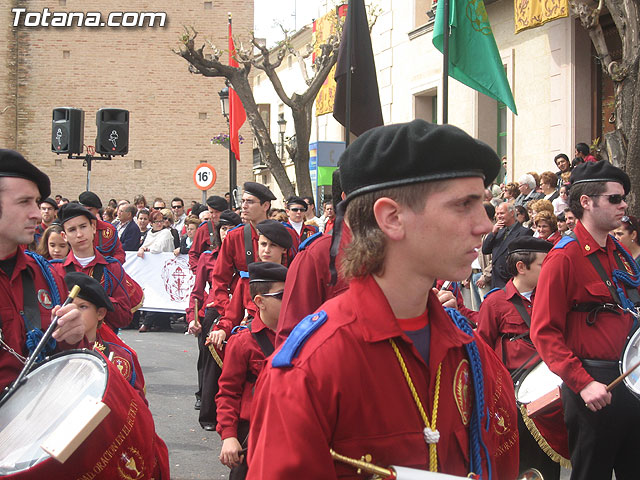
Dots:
pixel 204 176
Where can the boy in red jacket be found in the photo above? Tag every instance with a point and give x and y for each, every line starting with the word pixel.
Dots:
pixel 244 359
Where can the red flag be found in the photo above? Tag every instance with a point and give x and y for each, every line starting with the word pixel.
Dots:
pixel 237 115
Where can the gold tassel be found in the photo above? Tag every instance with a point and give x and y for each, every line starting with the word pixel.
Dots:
pixel 546 448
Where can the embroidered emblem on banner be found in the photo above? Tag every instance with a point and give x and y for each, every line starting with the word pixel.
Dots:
pixel 123 365
pixel 45 299
pixel 131 465
pixel 461 391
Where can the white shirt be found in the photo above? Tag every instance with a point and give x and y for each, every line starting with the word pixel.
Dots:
pixel 85 261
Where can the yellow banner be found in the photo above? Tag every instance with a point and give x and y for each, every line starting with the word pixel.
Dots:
pixel 533 13
pixel 322 29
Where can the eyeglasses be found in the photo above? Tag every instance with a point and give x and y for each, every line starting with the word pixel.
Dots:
pixel 614 199
pixel 246 201
pixel 297 209
pixel 276 295
pixel 177 206
pixel 158 221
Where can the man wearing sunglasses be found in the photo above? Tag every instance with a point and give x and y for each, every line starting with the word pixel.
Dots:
pixel 580 328
pixel 296 208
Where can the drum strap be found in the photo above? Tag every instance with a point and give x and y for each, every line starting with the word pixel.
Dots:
pixel 31 312
pixel 248 243
pixel 517 302
pixel 263 341
pixel 97 273
pixel 211 235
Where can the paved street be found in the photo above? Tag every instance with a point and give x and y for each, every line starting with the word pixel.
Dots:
pixel 168 360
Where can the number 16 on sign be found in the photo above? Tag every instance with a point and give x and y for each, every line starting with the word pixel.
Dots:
pixel 204 176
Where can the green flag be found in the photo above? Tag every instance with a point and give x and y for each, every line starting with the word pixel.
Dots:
pixel 473 54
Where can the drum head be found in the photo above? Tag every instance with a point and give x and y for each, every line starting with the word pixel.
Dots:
pixel 43 402
pixel 630 357
pixel 536 383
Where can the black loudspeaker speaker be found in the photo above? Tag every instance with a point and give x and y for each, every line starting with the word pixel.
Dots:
pixel 67 130
pixel 113 131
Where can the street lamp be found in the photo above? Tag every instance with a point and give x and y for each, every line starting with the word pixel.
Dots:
pixel 224 105
pixel 282 126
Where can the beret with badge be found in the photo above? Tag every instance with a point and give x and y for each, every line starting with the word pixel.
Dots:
pixel 217 203
pixel 90 199
pixel 258 190
pixel 415 152
pixel 90 289
pixel 13 164
pixel 276 232
pixel 73 210
pixel 601 171
pixel 267 272
pixel 529 244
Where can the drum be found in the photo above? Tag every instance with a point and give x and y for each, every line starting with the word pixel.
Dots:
pixel 77 417
pixel 47 399
pixel 630 357
pixel 536 385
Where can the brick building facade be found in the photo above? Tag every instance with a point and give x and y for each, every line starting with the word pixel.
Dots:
pixel 173 113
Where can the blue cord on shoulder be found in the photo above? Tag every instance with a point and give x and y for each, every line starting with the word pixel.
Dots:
pixel 47 273
pixel 298 337
pixel 238 329
pixel 476 445
pixel 309 241
pixel 491 291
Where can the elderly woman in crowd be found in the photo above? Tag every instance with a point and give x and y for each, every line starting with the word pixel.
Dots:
pixel 546 226
pixel 158 239
pixel 548 185
pixel 511 192
pixel 627 235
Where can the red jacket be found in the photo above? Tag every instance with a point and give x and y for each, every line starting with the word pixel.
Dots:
pixel 11 304
pixel 234 313
pixel 107 242
pixel 231 259
pixel 204 274
pixel 123 357
pixel 499 321
pixel 125 294
pixel 554 237
pixel 243 362
pixel 346 391
pixel 562 336
pixel 308 283
pixel 201 243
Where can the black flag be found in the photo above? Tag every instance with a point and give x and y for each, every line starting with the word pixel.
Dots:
pixel 365 107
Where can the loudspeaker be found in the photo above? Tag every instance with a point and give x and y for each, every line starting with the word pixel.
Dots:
pixel 67 130
pixel 113 131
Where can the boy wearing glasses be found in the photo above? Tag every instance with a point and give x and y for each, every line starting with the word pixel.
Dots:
pixel 296 208
pixel 580 328
pixel 244 358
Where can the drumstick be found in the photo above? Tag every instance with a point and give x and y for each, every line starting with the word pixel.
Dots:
pixel 197 323
pixel 615 383
pixel 43 341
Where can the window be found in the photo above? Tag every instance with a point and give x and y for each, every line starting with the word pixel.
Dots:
pixel 502 130
pixel 426 106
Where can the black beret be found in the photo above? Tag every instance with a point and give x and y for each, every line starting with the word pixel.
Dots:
pixel 230 218
pixel 90 289
pixel 276 232
pixel 90 199
pixel 601 171
pixel 414 152
pixel 12 164
pixel 293 200
pixel 529 244
pixel 51 202
pixel 218 203
pixel 258 190
pixel 73 210
pixel 267 272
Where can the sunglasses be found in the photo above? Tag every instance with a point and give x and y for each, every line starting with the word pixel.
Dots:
pixel 614 199
pixel 298 209
pixel 177 206
pixel 276 295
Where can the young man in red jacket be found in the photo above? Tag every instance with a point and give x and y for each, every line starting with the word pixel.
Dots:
pixel 343 379
pixel 244 358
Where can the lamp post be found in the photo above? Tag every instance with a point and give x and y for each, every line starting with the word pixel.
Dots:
pixel 224 105
pixel 282 127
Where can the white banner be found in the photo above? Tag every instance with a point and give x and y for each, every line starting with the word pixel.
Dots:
pixel 165 279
